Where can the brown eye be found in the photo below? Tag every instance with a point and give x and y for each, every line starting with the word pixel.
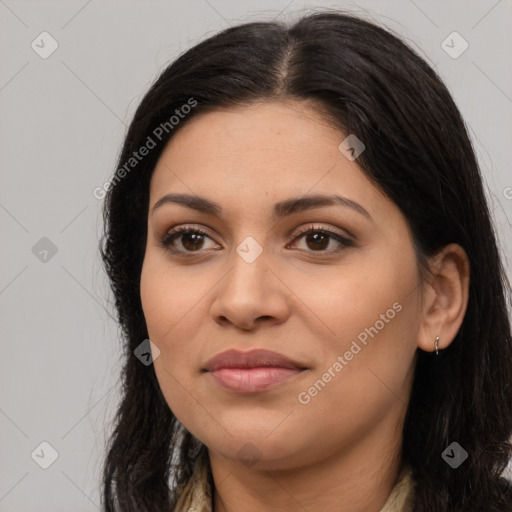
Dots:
pixel 191 239
pixel 318 239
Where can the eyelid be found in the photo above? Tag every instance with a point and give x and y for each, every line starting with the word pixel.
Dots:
pixel 317 227
pixel 175 231
pixel 345 240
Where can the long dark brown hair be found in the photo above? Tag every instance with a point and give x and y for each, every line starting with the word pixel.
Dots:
pixel 419 154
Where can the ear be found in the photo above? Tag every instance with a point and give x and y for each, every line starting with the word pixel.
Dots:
pixel 445 297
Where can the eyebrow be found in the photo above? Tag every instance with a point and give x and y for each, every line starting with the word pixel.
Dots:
pixel 280 210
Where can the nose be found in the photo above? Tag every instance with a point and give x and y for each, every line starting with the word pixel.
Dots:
pixel 250 293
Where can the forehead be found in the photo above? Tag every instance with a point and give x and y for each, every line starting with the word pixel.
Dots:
pixel 259 154
pixel 256 125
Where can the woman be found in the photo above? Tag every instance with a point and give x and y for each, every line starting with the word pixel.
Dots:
pixel 298 225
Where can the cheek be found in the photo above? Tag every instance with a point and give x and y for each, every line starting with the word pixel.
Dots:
pixel 347 300
pixel 365 373
pixel 169 306
pixel 167 309
pixel 169 297
pixel 370 310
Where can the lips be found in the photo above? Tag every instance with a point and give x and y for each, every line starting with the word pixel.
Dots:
pixel 257 358
pixel 253 371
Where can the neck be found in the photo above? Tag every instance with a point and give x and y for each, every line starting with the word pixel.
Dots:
pixel 354 479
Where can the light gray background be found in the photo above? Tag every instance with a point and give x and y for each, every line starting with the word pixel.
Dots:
pixel 62 123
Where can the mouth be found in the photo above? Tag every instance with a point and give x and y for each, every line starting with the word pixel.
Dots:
pixel 252 372
pixel 253 380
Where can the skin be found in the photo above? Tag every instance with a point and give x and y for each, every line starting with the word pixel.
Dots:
pixel 340 451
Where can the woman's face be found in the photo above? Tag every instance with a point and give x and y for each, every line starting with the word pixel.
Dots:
pixel 348 312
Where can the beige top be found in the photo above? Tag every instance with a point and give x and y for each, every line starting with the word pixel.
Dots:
pixel 197 495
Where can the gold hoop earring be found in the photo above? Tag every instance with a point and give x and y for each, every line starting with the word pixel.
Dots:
pixel 436 345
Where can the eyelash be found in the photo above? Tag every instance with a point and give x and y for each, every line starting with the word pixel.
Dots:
pixel 168 239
